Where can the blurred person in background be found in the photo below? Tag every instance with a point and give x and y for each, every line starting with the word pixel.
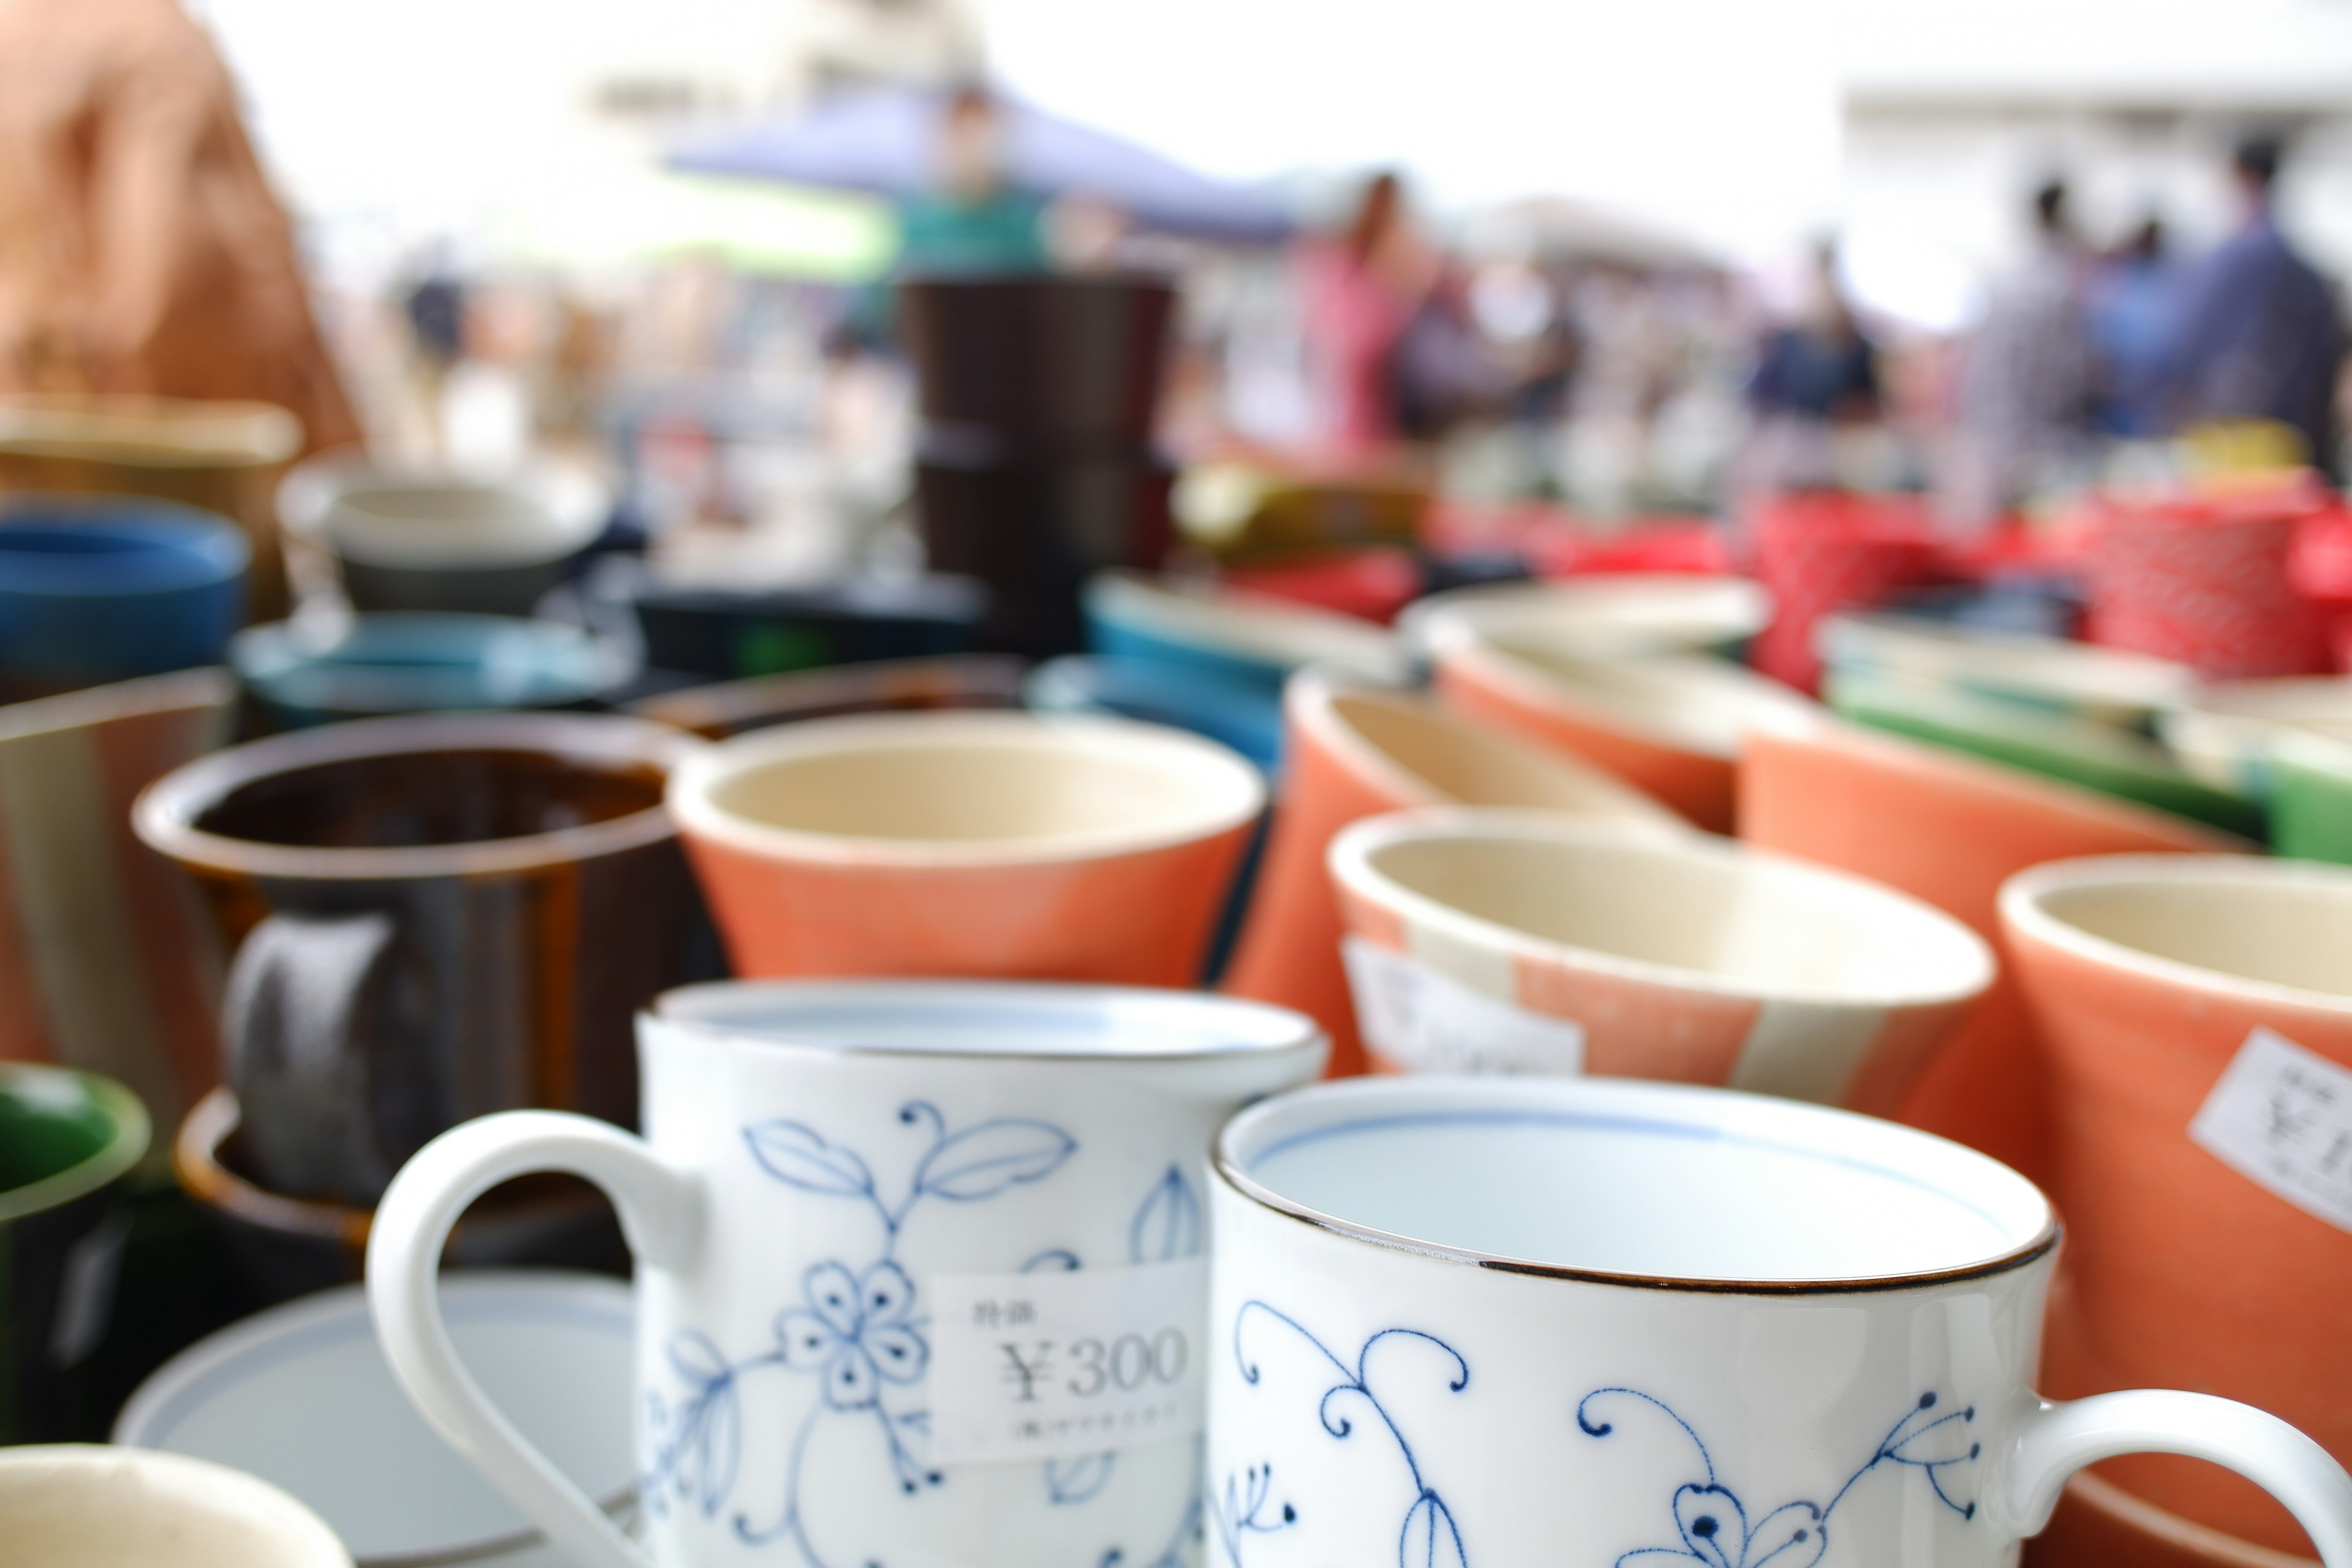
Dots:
pixel 2130 308
pixel 141 252
pixel 1813 374
pixel 971 219
pixel 2025 381
pixel 2258 336
pixel 1363 289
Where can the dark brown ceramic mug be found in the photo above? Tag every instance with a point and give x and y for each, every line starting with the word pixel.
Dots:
pixel 434 917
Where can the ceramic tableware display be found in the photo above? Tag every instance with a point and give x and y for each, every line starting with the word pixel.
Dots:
pixel 93 590
pixel 433 917
pixel 1044 847
pixel 222 457
pixel 2197 1020
pixel 2079 751
pixel 1672 726
pixel 409 538
pixel 299 1396
pixel 67 1141
pixel 2223 733
pixel 106 961
pixel 1820 553
pixel 87 1506
pixel 2077 679
pixel 851 1202
pixel 2202 580
pixel 1480 1325
pixel 1217 632
pixel 1239 713
pixel 373 665
pixel 1948 829
pixel 894 685
pixel 1527 942
pixel 1596 616
pixel 1353 750
pixel 280 1245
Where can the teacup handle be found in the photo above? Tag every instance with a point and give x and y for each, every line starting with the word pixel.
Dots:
pixel 2058 1439
pixel 660 1210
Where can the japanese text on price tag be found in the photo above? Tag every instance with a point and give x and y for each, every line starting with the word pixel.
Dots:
pixel 1052 1364
pixel 2282 1116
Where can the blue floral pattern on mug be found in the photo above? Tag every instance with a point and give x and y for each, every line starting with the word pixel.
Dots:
pixel 1245 1505
pixel 857 1329
pixel 1713 1522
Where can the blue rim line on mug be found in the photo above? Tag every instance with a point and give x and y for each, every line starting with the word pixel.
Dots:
pixel 1232 1169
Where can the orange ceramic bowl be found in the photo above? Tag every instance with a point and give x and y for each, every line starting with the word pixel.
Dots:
pixel 1949 829
pixel 1353 750
pixel 1681 957
pixel 2147 975
pixel 1670 725
pixel 967 844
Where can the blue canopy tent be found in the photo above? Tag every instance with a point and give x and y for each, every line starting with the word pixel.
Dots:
pixel 884 141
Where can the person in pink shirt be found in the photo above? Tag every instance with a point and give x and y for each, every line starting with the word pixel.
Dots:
pixel 1362 288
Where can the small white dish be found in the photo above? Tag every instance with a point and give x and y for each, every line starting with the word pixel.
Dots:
pixel 300 1396
pixel 1600 615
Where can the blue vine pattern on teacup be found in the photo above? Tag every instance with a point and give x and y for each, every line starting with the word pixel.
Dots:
pixel 857 1331
pixel 1427 1537
pixel 1713 1522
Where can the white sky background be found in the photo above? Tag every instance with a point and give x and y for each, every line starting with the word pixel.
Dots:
pixel 1717 117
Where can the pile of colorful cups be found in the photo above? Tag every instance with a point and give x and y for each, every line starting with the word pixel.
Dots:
pixel 1732 1093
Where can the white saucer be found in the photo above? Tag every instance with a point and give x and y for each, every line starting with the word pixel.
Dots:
pixel 300 1396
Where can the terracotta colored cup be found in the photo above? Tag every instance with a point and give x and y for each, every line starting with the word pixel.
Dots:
pixel 1949 829
pixel 1819 554
pixel 1354 751
pixel 2205 582
pixel 107 962
pixel 2147 975
pixel 1683 957
pixel 1010 844
pixel 1672 725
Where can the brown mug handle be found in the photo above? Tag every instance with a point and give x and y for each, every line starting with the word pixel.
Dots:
pixel 294 1031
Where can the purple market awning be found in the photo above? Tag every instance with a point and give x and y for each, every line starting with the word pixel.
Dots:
pixel 883 141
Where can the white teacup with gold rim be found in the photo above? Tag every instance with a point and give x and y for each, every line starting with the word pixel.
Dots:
pixel 1553 1323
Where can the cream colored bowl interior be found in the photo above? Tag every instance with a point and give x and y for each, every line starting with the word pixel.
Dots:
pixel 1476 767
pixel 2278 933
pixel 1699 702
pixel 1748 924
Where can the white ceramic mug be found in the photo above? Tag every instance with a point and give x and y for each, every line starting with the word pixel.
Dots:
pixel 912 1275
pixel 77 1505
pixel 1480 1324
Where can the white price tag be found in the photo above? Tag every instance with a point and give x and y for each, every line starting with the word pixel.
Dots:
pixel 2281 1117
pixel 1055 1364
pixel 1428 1022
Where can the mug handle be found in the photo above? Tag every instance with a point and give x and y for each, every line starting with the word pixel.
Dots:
pixel 661 1213
pixel 2058 1439
pixel 289 1026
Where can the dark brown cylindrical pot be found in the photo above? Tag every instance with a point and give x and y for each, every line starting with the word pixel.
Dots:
pixel 434 917
pixel 1047 362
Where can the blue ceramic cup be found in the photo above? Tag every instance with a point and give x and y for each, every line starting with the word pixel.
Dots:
pixel 417 663
pixel 94 591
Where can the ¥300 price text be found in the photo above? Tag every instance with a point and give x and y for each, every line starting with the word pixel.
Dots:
pixel 1085 1368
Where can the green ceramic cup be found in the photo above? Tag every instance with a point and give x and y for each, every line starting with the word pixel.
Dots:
pixel 68 1139
pixel 2311 797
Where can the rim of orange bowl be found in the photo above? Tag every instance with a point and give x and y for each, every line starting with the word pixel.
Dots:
pixel 1350 861
pixel 1310 703
pixel 1671 677
pixel 1233 789
pixel 2024 914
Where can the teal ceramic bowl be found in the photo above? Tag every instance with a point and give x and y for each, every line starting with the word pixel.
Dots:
pixel 1132 617
pixel 396 663
pixel 2078 751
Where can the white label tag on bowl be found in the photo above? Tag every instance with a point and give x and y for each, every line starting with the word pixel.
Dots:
pixel 1428 1022
pixel 2281 1117
pixel 1061 1364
